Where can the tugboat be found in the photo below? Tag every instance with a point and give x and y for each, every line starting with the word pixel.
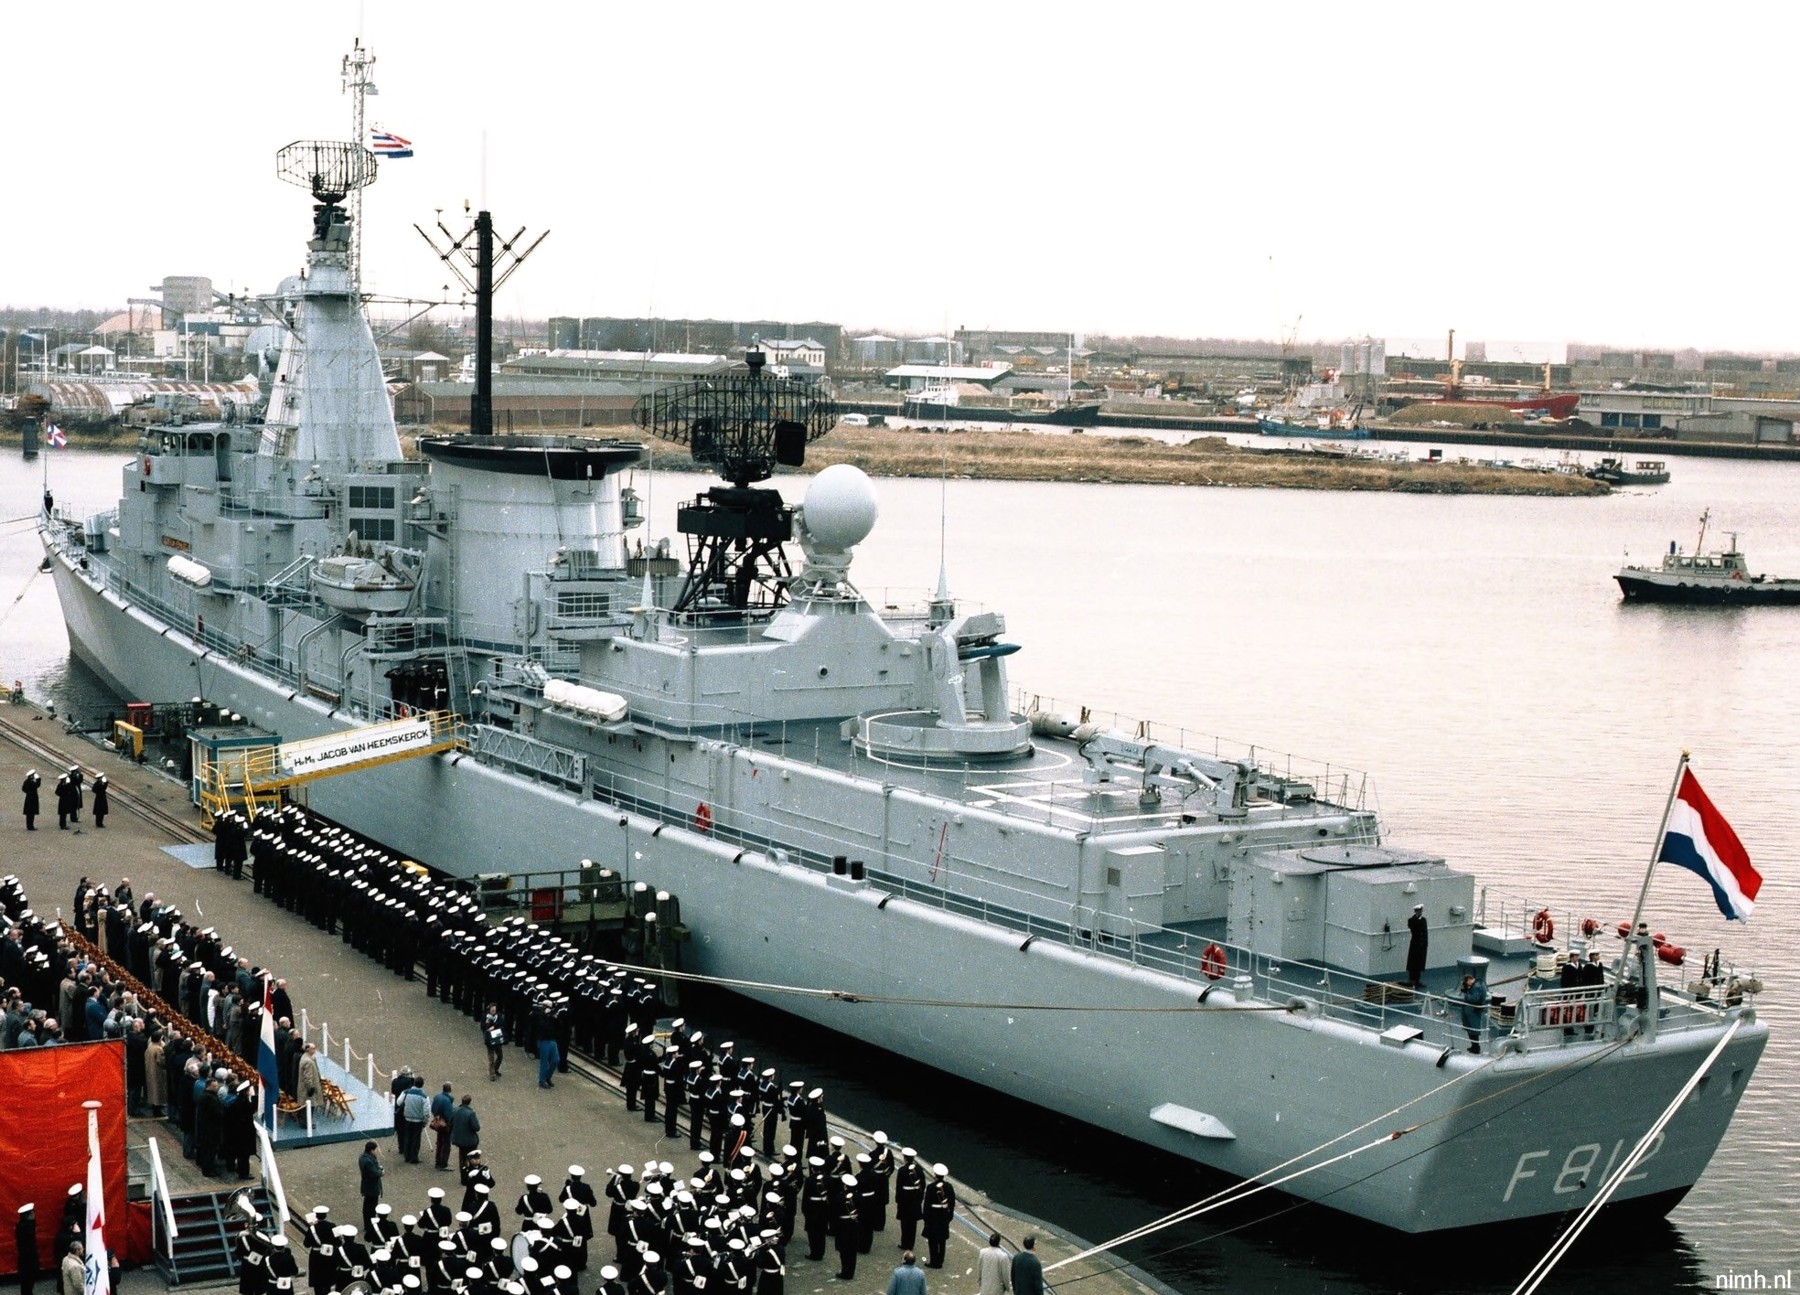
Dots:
pixel 1198 947
pixel 1702 577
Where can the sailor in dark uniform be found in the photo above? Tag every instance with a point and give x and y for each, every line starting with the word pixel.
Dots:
pixel 815 1208
pixel 534 1200
pixel 578 1202
pixel 940 1209
pixel 32 807
pixel 909 1195
pixel 844 1226
pixel 1418 940
pixel 283 1267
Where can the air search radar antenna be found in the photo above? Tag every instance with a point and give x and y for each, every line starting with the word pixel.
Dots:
pixel 331 170
pixel 741 426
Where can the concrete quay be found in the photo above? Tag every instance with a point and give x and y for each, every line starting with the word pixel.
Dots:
pixel 581 1120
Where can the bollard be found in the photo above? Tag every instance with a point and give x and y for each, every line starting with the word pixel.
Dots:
pixel 347 1069
pixel 309 1123
pixel 371 1079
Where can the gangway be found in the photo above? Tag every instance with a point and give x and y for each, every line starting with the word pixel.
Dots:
pixel 253 775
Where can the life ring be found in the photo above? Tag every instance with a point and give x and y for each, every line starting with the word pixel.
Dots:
pixel 1737 575
pixel 703 817
pixel 1543 926
pixel 1589 927
pixel 1212 962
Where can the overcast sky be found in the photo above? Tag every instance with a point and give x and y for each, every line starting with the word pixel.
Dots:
pixel 1616 173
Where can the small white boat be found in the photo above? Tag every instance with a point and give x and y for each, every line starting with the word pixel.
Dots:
pixel 362 586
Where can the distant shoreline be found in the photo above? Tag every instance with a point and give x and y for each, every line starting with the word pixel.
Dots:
pixel 1123 460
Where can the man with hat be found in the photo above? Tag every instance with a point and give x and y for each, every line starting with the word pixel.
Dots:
pixel 844 1227
pixel 621 1190
pixel 940 1208
pixel 534 1200
pixel 32 806
pixel 1419 938
pixel 578 1202
pixel 25 1246
pixel 909 1195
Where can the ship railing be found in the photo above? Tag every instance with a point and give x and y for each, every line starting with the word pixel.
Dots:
pixel 1331 784
pixel 1546 1017
pixel 1537 1018
pixel 189 616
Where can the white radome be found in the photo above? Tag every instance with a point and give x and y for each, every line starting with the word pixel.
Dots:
pixel 840 507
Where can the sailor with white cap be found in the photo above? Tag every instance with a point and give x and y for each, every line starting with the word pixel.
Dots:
pixel 578 1202
pixel 881 1163
pixel 621 1190
pixel 282 1265
pixel 940 1208
pixel 534 1200
pixel 1418 942
pixel 844 1225
pixel 909 1195
pixel 32 806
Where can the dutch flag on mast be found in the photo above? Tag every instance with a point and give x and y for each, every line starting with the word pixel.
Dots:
pixel 1699 839
pixel 386 144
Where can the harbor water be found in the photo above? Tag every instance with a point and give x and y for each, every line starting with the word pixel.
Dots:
pixel 1471 654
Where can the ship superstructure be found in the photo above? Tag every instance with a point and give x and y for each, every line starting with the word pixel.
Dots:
pixel 1199 949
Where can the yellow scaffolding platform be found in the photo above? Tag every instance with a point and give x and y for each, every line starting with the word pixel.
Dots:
pixel 251 776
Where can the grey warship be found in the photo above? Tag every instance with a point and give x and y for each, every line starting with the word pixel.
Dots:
pixel 1198 949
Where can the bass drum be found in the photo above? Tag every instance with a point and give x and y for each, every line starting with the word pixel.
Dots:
pixel 521 1249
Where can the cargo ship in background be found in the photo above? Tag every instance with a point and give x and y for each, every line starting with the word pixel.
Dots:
pixel 1196 946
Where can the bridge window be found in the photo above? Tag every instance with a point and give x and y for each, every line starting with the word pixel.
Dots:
pixel 583 603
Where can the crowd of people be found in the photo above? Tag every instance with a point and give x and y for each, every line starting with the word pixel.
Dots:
pixel 731 1218
pixel 191 1037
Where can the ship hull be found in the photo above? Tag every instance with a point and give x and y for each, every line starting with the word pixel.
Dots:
pixel 1276 1084
pixel 1280 427
pixel 1066 416
pixel 1645 587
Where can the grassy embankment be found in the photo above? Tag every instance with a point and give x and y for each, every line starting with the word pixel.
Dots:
pixel 1036 456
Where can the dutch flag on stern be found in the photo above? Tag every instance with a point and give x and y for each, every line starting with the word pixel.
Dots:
pixel 1699 839
pixel 386 144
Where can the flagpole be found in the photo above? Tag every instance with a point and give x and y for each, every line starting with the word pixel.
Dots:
pixel 97 1278
pixel 1655 853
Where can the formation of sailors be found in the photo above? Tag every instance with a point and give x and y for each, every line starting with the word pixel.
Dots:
pixel 731 1219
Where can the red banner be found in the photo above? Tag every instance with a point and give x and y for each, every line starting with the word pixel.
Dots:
pixel 43 1138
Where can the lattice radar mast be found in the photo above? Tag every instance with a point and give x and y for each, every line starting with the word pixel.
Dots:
pixel 742 426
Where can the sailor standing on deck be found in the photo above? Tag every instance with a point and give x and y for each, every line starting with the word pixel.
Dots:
pixel 1420 932
pixel 29 789
pixel 1474 999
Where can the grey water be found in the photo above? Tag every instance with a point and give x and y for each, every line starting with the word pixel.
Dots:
pixel 1471 654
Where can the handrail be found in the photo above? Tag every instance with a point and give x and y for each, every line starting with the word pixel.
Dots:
pixel 159 1188
pixel 271 1172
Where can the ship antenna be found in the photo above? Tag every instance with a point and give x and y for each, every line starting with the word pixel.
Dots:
pixel 358 84
pixel 942 605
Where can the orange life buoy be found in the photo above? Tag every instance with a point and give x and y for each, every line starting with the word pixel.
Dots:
pixel 703 817
pixel 1543 926
pixel 1212 962
pixel 1589 927
pixel 1737 575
